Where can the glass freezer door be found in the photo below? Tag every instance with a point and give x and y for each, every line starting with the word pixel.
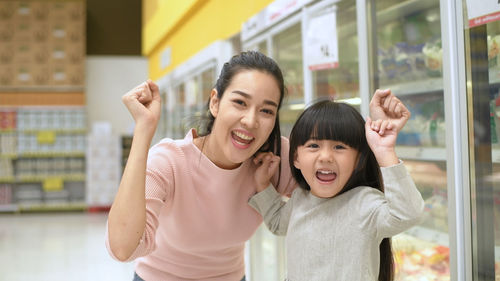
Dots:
pixel 483 95
pixel 404 42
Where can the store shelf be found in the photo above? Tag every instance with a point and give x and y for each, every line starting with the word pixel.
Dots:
pixel 50 154
pixel 43 89
pixel 421 153
pixel 57 131
pixel 8 208
pixel 28 179
pixel 418 87
pixel 433 153
pixel 7 180
pixel 9 155
pixel 430 235
pixel 47 207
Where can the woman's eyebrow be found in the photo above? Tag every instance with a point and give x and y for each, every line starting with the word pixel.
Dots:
pixel 268 102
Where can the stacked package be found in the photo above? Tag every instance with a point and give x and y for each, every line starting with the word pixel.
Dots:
pixel 103 166
pixel 42 43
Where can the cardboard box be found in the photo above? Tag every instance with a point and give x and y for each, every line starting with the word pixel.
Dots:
pixel 23 75
pixel 7 11
pixel 22 12
pixel 41 54
pixel 6 54
pixel 22 31
pixel 40 11
pixel 62 32
pixel 6 32
pixel 7 76
pixel 67 75
pixel 40 33
pixel 40 75
pixel 23 53
pixel 69 11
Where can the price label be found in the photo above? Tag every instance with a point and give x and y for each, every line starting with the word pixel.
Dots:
pixel 53 184
pixel 46 137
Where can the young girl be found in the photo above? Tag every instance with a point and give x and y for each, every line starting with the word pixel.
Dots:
pixel 339 223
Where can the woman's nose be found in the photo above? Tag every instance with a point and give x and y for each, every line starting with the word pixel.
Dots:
pixel 250 119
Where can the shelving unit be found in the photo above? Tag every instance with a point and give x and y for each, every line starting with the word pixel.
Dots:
pixel 42 105
pixel 44 152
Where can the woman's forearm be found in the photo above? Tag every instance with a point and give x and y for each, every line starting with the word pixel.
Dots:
pixel 127 217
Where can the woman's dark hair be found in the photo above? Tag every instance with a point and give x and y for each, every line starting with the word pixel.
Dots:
pixel 246 61
pixel 330 120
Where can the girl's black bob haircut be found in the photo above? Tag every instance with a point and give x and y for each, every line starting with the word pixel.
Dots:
pixel 330 120
pixel 336 121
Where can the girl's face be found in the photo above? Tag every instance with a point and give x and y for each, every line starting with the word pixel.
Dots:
pixel 326 165
pixel 244 118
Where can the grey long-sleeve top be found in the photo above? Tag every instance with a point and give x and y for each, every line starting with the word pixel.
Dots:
pixel 334 239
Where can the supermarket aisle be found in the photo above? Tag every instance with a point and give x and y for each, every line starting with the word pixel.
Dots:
pixel 57 246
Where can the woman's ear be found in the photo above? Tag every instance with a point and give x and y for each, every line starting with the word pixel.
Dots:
pixel 214 103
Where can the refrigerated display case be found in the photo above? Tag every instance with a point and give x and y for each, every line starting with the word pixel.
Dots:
pixel 185 90
pixel 483 80
pixel 407 58
pixel 381 44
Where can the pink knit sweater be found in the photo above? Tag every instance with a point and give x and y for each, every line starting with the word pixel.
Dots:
pixel 198 217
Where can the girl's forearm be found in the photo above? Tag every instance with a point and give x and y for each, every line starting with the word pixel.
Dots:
pixel 386 158
pixel 127 217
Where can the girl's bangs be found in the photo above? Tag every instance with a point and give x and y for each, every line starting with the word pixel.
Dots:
pixel 337 122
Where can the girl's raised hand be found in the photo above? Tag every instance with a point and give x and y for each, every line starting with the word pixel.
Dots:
pixel 144 104
pixel 381 136
pixel 267 165
pixel 385 106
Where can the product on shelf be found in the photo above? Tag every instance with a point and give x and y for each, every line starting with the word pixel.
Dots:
pixel 422 260
pixel 5 194
pixel 493 50
pixel 433 58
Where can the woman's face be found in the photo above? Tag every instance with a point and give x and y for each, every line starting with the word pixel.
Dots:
pixel 244 118
pixel 326 165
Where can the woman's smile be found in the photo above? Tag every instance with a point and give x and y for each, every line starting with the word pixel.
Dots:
pixel 241 139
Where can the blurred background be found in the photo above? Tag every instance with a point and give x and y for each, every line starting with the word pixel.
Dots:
pixel 65 135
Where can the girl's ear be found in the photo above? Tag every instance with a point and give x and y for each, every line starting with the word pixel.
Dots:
pixel 214 103
pixel 296 163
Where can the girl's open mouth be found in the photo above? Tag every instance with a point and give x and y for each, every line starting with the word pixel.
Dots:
pixel 326 176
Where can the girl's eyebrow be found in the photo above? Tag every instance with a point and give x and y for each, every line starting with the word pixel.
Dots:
pixel 268 102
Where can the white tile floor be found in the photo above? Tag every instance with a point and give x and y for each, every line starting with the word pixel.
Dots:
pixel 57 247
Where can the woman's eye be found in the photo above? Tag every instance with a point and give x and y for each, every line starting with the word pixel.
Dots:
pixel 239 102
pixel 268 111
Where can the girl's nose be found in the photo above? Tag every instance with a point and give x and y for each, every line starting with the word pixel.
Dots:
pixel 326 155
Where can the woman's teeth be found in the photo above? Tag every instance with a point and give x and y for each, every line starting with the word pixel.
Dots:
pixel 242 138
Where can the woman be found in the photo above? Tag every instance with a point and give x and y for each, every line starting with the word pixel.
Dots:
pixel 181 208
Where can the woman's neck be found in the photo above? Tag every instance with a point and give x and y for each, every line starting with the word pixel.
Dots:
pixel 208 148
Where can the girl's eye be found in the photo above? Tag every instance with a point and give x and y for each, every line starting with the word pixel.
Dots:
pixel 339 146
pixel 313 145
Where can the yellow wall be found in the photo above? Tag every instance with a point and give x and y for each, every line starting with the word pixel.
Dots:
pixel 188 26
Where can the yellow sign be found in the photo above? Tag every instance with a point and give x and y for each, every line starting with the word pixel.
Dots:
pixel 47 137
pixel 53 184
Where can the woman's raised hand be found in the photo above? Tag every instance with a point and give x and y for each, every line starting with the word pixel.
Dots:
pixel 267 165
pixel 385 106
pixel 144 104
